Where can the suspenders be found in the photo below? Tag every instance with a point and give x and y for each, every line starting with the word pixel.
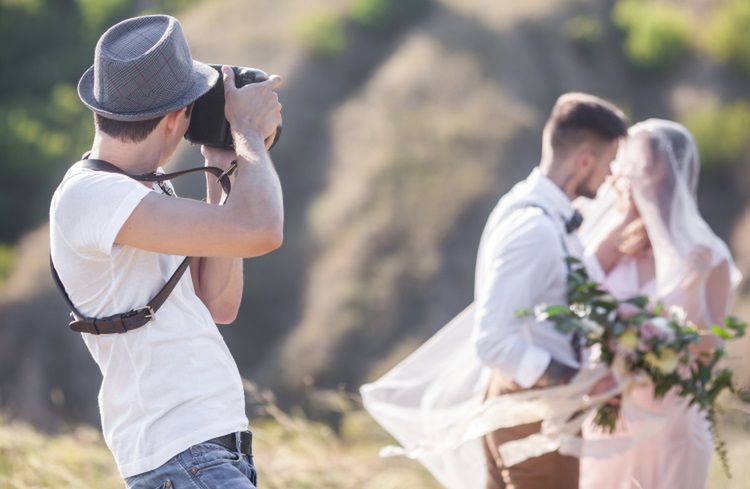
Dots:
pixel 575 340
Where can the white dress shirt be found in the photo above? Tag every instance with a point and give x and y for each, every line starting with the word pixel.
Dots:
pixel 521 264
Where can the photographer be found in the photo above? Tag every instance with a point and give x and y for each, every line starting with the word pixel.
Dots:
pixel 171 399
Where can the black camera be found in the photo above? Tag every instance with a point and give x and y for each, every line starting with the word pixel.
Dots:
pixel 208 124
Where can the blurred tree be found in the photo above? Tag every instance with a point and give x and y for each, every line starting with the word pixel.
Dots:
pixel 322 33
pixel 657 35
pixel 721 132
pixel 386 15
pixel 727 33
pixel 585 32
pixel 47 44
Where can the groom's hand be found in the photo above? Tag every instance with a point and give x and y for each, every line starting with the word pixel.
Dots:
pixel 605 384
pixel 556 374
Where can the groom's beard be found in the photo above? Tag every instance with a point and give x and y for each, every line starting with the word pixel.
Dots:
pixel 586 189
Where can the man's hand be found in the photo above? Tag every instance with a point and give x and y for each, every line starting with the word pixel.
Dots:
pixel 606 384
pixel 253 109
pixel 556 374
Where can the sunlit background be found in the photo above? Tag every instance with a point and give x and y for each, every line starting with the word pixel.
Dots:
pixel 405 120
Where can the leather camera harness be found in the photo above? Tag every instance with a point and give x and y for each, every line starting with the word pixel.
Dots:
pixel 135 318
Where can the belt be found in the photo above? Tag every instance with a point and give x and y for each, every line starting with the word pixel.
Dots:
pixel 230 442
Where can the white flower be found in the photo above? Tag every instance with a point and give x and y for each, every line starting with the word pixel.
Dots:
pixel 678 314
pixel 580 310
pixel 663 326
pixel 592 329
pixel 540 312
pixel 612 316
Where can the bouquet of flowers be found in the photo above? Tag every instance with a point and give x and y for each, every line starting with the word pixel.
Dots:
pixel 644 338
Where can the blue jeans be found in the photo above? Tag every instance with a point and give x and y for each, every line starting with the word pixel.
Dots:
pixel 202 466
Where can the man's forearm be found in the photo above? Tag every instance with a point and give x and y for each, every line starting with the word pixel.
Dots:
pixel 256 198
pixel 220 280
pixel 220 286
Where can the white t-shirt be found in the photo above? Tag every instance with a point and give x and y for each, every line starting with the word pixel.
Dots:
pixel 169 384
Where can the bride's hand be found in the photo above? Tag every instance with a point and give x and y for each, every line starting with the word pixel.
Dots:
pixel 627 237
pixel 634 238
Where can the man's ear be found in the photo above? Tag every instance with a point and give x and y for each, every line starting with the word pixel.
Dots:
pixel 586 157
pixel 173 119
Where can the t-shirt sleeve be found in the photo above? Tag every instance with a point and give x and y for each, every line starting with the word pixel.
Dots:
pixel 92 206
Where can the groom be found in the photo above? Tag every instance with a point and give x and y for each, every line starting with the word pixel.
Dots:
pixel 521 263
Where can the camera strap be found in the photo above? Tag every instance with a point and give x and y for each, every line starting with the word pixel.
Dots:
pixel 136 318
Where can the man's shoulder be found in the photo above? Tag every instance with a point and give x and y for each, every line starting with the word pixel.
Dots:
pixel 80 181
pixel 522 214
pixel 522 224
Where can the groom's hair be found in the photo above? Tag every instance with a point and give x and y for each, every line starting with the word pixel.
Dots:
pixel 578 118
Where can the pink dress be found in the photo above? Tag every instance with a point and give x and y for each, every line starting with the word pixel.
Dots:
pixel 678 456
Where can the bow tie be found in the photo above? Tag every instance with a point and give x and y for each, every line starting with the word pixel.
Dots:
pixel 574 222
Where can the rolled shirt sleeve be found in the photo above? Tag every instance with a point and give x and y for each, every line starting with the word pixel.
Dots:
pixel 92 207
pixel 519 265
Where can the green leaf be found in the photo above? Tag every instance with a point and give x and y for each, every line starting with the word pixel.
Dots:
pixel 721 332
pixel 522 313
pixel 737 325
pixel 557 311
pixel 640 301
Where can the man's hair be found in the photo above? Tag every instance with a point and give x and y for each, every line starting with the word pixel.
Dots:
pixel 578 117
pixel 130 131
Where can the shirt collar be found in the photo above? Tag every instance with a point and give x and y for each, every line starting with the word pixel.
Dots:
pixel 541 186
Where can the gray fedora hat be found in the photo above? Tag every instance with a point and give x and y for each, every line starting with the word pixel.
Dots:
pixel 142 70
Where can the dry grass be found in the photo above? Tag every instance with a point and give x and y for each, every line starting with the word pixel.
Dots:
pixel 292 453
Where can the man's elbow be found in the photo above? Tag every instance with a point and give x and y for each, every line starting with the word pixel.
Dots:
pixel 262 241
pixel 224 313
pixel 483 346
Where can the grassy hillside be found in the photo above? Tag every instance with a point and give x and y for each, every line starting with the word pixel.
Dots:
pixel 291 453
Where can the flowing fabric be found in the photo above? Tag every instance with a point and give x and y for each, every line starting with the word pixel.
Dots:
pixel 432 403
pixel 659 166
pixel 428 394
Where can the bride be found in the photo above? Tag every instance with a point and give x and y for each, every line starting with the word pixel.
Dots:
pixel 672 256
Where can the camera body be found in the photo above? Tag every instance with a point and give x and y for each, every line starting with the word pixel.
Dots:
pixel 208 124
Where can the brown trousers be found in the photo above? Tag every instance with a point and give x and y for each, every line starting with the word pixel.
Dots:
pixel 550 471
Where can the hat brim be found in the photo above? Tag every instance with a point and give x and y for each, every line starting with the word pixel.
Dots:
pixel 204 77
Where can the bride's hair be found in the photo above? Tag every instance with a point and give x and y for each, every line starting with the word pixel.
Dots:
pixel 579 117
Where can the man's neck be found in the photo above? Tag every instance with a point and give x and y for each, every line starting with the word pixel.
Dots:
pixel 560 176
pixel 134 158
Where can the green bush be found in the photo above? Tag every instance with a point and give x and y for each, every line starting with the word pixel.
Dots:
pixel 47 44
pixel 657 35
pixel 721 132
pixel 7 258
pixel 727 35
pixel 386 15
pixel 323 34
pixel 585 32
